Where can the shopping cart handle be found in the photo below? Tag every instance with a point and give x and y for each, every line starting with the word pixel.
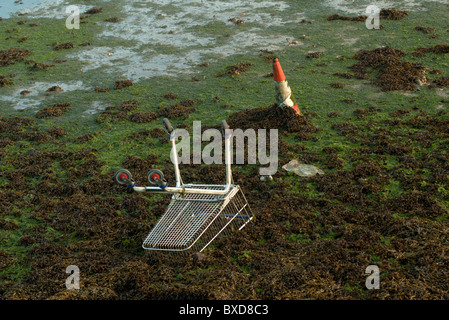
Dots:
pixel 224 125
pixel 167 125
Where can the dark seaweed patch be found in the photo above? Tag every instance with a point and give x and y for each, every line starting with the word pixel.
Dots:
pixel 5 81
pixel 143 117
pixel 271 117
pixel 64 46
pixel 439 82
pixel 236 21
pixel 129 105
pixel 340 17
pixel 13 55
pixel 55 110
pixel 267 55
pixel 94 11
pixel 337 85
pixel 113 19
pixel 438 49
pixel 38 65
pixel 387 14
pixel 120 84
pixel 101 89
pixel 392 73
pixel 236 69
pixel 171 96
pixel 344 75
pixel 392 14
pixel 175 110
pixel 314 55
pixel 85 138
pixel 424 29
pixel 55 89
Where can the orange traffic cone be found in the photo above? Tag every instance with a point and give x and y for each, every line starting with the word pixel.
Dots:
pixel 284 94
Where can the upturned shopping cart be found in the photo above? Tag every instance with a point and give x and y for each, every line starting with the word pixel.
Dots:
pixel 197 213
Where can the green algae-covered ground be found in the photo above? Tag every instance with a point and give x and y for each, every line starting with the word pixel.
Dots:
pixel 383 199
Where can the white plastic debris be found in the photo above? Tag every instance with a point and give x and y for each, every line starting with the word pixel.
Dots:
pixel 301 169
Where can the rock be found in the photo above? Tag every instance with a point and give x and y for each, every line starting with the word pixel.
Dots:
pixel 301 169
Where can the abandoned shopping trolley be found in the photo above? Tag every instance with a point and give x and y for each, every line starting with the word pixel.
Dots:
pixel 197 213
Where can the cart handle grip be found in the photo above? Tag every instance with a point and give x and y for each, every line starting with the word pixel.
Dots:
pixel 167 125
pixel 224 127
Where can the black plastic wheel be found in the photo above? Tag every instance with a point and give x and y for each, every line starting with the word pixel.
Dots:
pixel 121 175
pixel 156 177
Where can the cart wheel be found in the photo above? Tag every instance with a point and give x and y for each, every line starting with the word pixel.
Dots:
pixel 121 175
pixel 156 177
pixel 167 125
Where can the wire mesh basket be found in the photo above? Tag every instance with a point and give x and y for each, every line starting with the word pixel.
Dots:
pixel 197 213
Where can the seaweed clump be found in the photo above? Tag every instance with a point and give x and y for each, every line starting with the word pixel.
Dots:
pixel 393 73
pixel 55 89
pixel 236 21
pixel 171 96
pixel 345 18
pixel 120 84
pixel 85 138
pixel 415 203
pixel 143 117
pixel 236 69
pixel 94 11
pixel 101 89
pixel 55 110
pixel 337 85
pixel 438 49
pixel 439 82
pixel 129 105
pixel 62 46
pixel 392 14
pixel 314 55
pixel 13 55
pixel 271 117
pixel 267 55
pixel 113 19
pixel 116 114
pixel 424 29
pixel 38 65
pixel 387 14
pixel 176 110
pixel 4 81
